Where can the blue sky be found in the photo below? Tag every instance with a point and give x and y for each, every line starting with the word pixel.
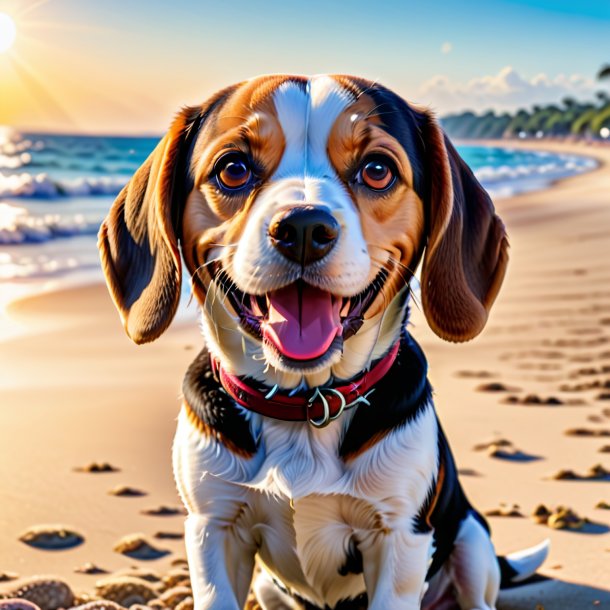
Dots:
pixel 134 62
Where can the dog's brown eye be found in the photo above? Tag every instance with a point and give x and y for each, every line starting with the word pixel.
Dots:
pixel 377 174
pixel 233 170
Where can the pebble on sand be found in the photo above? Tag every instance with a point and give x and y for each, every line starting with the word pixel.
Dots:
pixel 46 592
pixel 90 568
pixel 505 510
pixel 126 590
pixel 51 537
pixel 97 467
pixel 164 511
pixel 560 518
pixel 595 432
pixel 125 491
pixel 169 535
pixel 137 547
pixel 595 473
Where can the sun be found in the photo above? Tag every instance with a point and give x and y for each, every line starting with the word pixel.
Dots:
pixel 8 32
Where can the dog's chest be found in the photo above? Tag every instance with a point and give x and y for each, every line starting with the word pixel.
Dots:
pixel 331 508
pixel 308 511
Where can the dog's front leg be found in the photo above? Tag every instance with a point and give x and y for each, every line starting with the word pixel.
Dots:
pixel 395 565
pixel 221 563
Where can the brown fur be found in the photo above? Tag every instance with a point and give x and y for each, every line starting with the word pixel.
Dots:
pixel 467 250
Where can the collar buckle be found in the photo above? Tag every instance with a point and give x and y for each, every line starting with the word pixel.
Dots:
pixel 327 417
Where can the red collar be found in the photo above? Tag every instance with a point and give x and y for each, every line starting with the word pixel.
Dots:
pixel 321 407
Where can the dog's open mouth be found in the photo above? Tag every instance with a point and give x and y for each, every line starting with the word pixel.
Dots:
pixel 300 322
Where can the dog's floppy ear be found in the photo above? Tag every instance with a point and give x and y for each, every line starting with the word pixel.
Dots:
pixel 138 240
pixel 466 253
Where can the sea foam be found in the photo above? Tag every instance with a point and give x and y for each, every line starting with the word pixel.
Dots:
pixel 43 186
pixel 18 226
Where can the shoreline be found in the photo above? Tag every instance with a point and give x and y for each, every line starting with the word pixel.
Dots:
pixel 74 390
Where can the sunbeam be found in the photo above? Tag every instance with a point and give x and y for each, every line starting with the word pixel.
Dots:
pixel 33 83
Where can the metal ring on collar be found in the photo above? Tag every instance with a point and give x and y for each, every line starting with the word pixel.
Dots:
pixel 325 420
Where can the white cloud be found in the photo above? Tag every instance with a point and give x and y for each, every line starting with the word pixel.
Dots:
pixel 506 90
pixel 446 47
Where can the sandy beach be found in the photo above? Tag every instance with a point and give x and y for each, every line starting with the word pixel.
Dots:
pixel 535 385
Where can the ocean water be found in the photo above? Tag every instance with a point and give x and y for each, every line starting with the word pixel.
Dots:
pixel 56 189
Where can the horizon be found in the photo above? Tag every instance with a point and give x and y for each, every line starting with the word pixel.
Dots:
pixel 92 69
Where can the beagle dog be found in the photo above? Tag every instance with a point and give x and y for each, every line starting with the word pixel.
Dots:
pixel 307 441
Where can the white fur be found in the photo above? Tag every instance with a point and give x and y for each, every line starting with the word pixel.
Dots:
pixel 298 504
pixel 526 562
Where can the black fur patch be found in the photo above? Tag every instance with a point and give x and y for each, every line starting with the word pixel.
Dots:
pixel 206 398
pixel 451 507
pixel 398 399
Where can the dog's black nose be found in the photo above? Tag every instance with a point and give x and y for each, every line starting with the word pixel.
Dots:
pixel 304 234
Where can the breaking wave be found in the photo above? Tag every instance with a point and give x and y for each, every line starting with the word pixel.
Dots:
pixel 18 226
pixel 44 187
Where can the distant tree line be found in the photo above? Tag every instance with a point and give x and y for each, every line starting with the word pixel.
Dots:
pixel 571 118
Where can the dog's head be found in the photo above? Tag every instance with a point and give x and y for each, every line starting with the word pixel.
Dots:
pixel 302 207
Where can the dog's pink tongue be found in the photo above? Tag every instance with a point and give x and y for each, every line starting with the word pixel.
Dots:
pixel 303 321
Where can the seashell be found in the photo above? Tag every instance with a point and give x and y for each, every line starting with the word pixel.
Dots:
pixel 172 597
pixel 125 491
pixel 46 592
pixel 51 537
pixel 17 604
pixel 136 546
pixel 90 568
pixel 164 511
pixel 603 504
pixel 125 590
pixel 100 604
pixel 186 604
pixel 96 467
pixel 180 561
